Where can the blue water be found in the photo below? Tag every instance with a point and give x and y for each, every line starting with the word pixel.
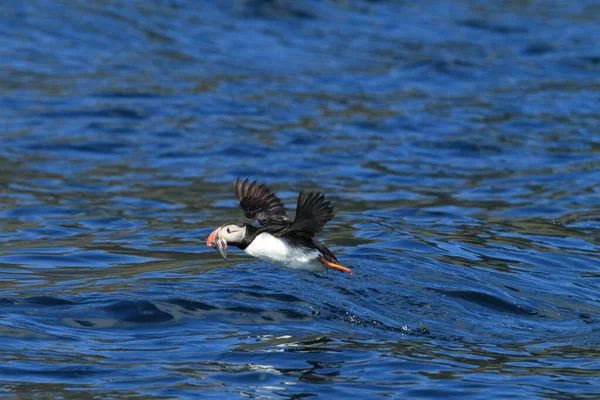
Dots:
pixel 458 140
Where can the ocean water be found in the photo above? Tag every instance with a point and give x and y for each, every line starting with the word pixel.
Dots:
pixel 459 142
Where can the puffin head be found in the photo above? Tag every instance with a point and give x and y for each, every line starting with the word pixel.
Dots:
pixel 229 234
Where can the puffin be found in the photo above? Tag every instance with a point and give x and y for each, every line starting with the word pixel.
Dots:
pixel 278 239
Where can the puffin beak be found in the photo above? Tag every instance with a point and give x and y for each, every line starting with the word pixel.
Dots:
pixel 219 244
pixel 210 242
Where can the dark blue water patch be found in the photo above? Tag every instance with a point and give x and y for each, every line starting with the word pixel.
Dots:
pixel 282 297
pixel 47 301
pixel 492 27
pixel 546 211
pixel 129 94
pixel 124 313
pixel 490 301
pixel 110 223
pixel 138 312
pixel 115 129
pixel 191 305
pixel 256 316
pixel 457 69
pixel 275 10
pixel 100 148
pixel 113 113
pixel 38 213
pixel 144 203
pixel 58 373
pixel 539 48
pixel 587 64
pixel 84 259
pixel 245 150
pixel 19 335
pixel 469 149
pixel 55 232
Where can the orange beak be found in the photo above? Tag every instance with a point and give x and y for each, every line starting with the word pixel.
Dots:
pixel 211 238
pixel 217 243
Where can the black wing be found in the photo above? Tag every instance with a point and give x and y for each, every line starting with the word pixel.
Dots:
pixel 312 212
pixel 260 204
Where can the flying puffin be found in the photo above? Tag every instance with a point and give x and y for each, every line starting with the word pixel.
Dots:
pixel 278 240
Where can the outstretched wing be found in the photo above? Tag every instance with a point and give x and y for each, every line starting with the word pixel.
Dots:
pixel 312 212
pixel 260 204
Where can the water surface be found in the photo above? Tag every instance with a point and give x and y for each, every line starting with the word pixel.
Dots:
pixel 458 141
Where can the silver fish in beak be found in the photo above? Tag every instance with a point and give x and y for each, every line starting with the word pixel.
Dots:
pixel 221 245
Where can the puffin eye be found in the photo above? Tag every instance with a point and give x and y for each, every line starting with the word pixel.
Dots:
pixel 228 231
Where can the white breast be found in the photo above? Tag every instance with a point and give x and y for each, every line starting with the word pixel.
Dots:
pixel 277 251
